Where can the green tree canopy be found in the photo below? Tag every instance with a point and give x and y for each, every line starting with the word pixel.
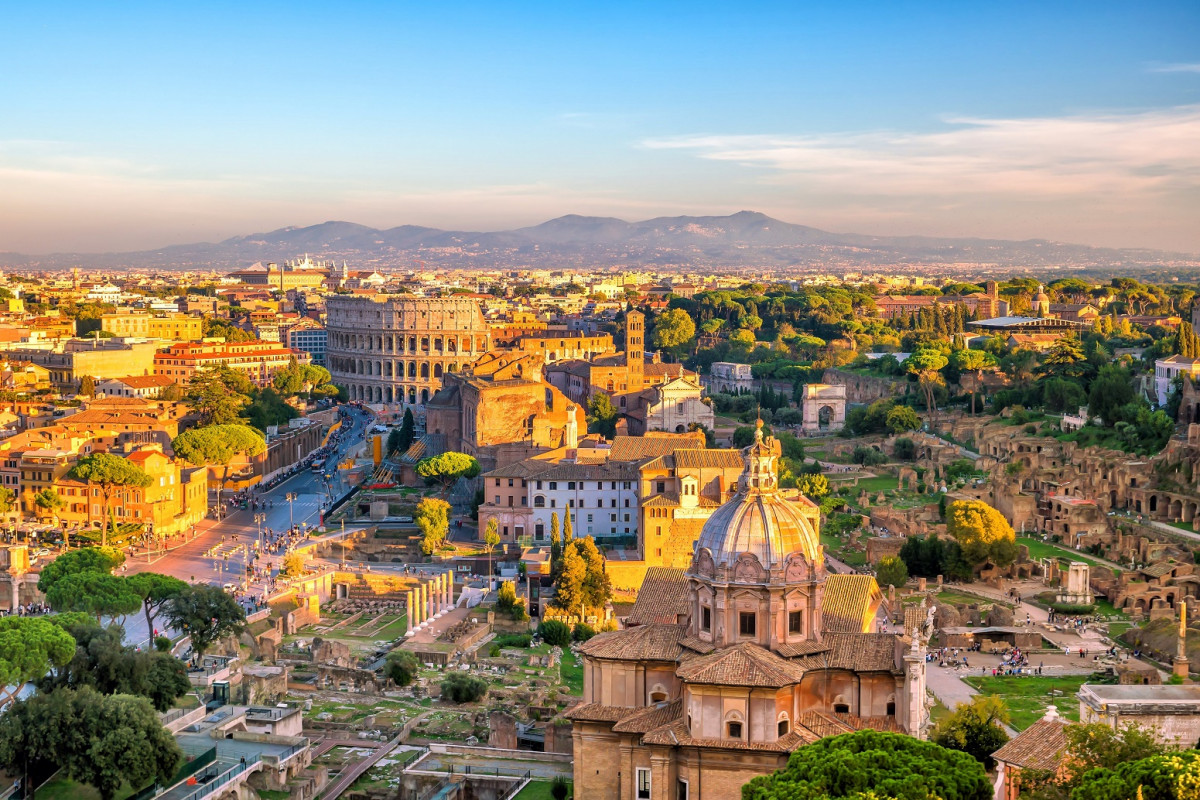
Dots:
pixel 29 648
pixel 982 531
pixel 104 662
pixel 975 728
pixel 95 593
pixel 206 613
pixel 903 418
pixel 871 764
pixel 447 468
pixel 672 330
pixel 433 519
pixel 218 446
pixel 602 416
pixel 1170 776
pixel 111 473
pixel 402 667
pixel 1111 391
pixel 105 741
pixel 927 366
pixel 891 571
pixel 85 559
pixel 219 395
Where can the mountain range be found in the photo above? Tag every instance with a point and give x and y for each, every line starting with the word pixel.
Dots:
pixel 746 239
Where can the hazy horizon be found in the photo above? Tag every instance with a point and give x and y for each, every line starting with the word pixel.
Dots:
pixel 137 127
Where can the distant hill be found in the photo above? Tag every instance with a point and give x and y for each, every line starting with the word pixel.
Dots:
pixel 746 239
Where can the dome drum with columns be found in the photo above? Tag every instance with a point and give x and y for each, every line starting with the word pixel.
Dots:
pixel 760 555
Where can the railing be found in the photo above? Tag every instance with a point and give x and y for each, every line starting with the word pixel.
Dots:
pixel 516 789
pixel 222 779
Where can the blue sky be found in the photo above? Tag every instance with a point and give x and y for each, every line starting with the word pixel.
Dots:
pixel 150 124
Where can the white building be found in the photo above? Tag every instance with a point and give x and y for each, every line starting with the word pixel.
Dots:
pixel 601 498
pixel 674 405
pixel 1167 369
pixel 147 386
pixel 728 377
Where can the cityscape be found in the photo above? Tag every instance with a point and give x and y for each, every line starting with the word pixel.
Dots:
pixel 630 403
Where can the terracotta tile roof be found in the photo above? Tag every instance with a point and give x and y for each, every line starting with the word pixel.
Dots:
pixel 699 645
pixel 1158 570
pixel 595 712
pixel 663 598
pixel 647 719
pixel 804 648
pixel 652 642
pixel 675 733
pixel 636 448
pixel 708 459
pixel 850 603
pixel 741 665
pixel 146 381
pixel 1040 746
pixel 862 652
pixel 824 724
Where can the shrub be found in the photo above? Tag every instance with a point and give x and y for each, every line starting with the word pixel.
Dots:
pixel 401 666
pixel 582 632
pixel 559 788
pixel 904 449
pixel 868 456
pixel 1072 608
pixel 555 632
pixel 162 644
pixel 459 687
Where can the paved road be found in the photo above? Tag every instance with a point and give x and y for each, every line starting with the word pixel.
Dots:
pixel 193 560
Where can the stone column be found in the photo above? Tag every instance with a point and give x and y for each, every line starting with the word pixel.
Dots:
pixel 424 603
pixel 450 587
pixel 445 592
pixel 409 606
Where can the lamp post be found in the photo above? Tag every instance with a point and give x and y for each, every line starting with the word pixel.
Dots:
pixel 290 497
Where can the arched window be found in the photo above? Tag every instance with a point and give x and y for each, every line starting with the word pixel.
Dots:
pixel 658 697
pixel 437 370
pixel 539 501
pixel 425 369
pixel 783 726
pixel 412 369
pixel 733 729
pixel 841 708
pixel 424 396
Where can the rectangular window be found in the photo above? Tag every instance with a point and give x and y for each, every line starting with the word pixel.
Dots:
pixel 589 517
pixel 571 485
pixel 682 792
pixel 524 501
pixel 553 485
pixel 662 487
pixel 497 499
pixel 705 618
pixel 643 784
pixel 746 620
pixel 795 622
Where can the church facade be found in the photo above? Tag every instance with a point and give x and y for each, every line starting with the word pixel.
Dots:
pixel 754 663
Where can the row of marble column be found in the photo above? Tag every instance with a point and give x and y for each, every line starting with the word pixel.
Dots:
pixel 429 600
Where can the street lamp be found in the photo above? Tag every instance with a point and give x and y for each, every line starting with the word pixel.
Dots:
pixel 259 519
pixel 290 497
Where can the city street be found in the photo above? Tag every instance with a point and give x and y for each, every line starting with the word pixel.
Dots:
pixel 218 554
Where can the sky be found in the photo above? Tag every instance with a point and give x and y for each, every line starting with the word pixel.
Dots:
pixel 131 126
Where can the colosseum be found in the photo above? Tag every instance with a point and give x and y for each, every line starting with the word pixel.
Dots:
pixel 395 348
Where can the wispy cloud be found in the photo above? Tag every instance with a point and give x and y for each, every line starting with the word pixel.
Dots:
pixel 1041 157
pixel 1175 68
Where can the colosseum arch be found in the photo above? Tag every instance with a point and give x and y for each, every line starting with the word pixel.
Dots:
pixel 383 324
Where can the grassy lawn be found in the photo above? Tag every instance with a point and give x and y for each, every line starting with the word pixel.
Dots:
pixel 1028 697
pixel 958 598
pixel 881 483
pixel 572 672
pixel 1040 549
pixel 1183 526
pixel 536 790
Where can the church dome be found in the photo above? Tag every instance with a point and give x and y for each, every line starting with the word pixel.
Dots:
pixel 759 521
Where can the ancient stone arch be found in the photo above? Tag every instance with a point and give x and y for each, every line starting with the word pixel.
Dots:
pixel 823 407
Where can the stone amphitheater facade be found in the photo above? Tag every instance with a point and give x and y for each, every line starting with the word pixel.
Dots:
pixel 395 348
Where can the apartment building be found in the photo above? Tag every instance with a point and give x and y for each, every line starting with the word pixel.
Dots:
pixel 173 327
pixel 257 360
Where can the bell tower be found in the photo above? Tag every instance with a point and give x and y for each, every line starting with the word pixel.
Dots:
pixel 635 350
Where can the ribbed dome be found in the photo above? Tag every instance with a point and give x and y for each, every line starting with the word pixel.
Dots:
pixel 758 520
